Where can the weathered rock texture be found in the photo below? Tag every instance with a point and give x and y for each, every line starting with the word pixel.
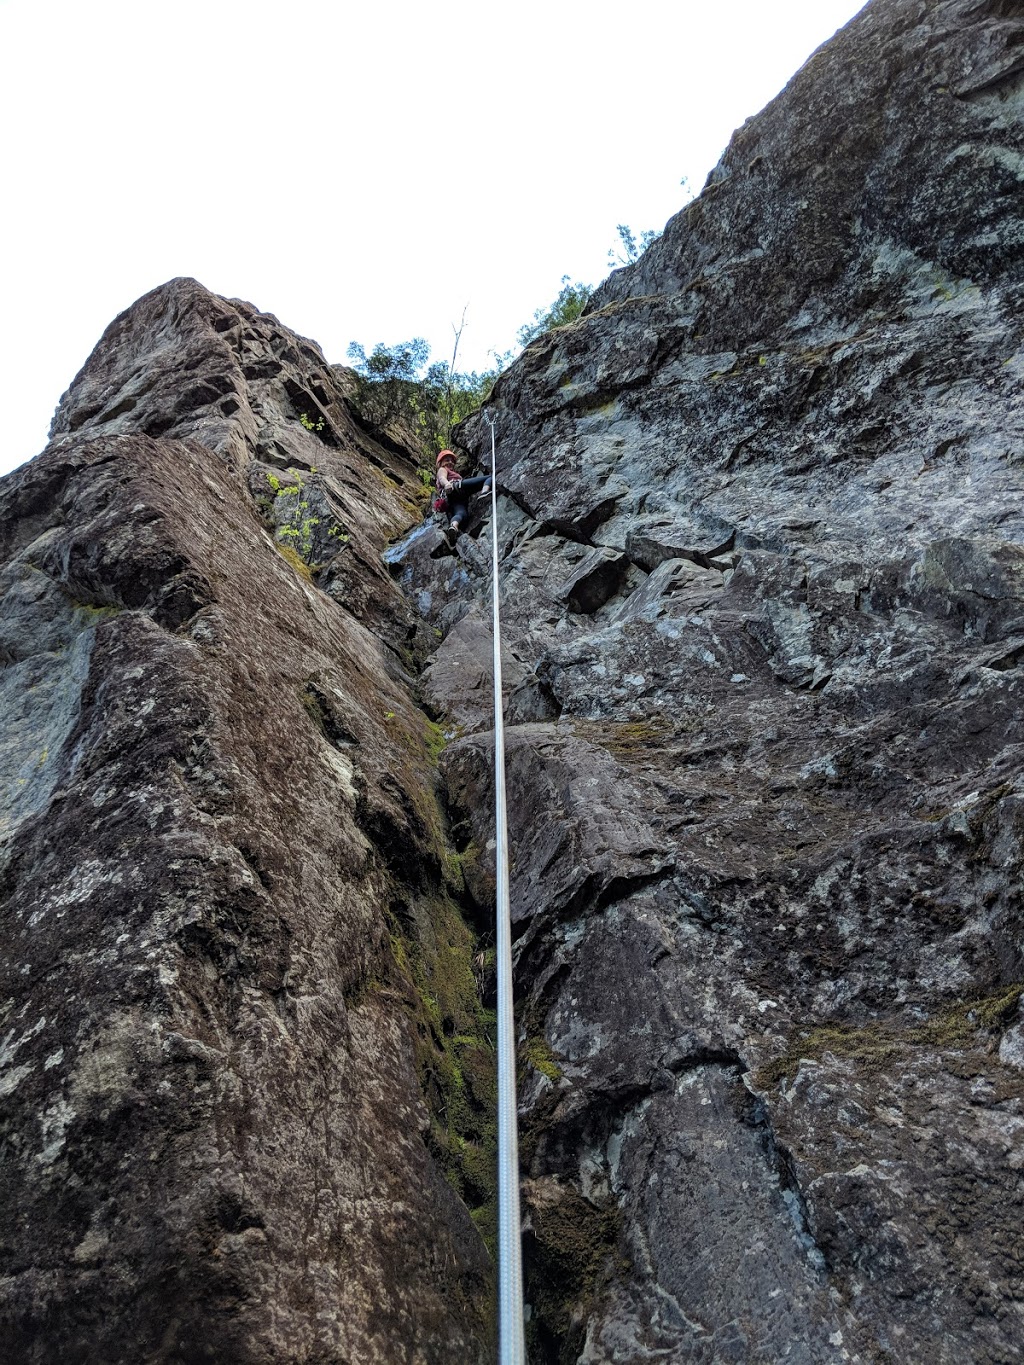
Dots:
pixel 762 525
pixel 232 955
pixel 763 533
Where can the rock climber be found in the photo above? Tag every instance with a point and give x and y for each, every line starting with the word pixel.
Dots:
pixel 454 493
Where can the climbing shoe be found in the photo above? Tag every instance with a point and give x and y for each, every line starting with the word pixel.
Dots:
pixel 451 534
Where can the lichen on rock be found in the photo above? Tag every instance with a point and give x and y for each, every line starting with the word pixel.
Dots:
pixel 765 784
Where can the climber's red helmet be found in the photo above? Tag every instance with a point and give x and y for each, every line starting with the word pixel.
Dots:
pixel 444 455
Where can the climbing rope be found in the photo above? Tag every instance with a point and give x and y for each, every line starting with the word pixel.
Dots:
pixel 511 1343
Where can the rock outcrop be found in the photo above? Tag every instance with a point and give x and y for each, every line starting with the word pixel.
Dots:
pixel 766 780
pixel 234 961
pixel 762 530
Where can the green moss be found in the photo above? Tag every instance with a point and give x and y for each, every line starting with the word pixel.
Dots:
pixel 625 738
pixel 962 1027
pixel 93 615
pixel 293 558
pixel 434 957
pixel 87 613
pixel 452 871
pixel 569 1254
pixel 360 990
pixel 486 1219
pixel 384 478
pixel 398 952
pixel 453 1046
pixel 436 738
pixel 464 873
pixel 538 1054
pixel 576 1236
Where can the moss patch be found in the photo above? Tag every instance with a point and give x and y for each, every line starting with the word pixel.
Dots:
pixel 436 739
pixel 89 615
pixel 478 878
pixel 536 1052
pixel 626 738
pixel 965 1026
pixel 293 557
pixel 435 956
pixel 453 1045
pixel 569 1251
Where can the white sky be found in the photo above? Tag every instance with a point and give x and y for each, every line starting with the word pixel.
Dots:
pixel 363 170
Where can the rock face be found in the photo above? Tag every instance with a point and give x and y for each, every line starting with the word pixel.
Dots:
pixel 766 782
pixel 762 535
pixel 224 878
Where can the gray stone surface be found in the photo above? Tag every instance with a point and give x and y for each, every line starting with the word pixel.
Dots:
pixel 216 797
pixel 766 798
pixel 762 539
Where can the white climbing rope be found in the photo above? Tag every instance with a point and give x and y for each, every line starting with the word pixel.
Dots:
pixel 511 1343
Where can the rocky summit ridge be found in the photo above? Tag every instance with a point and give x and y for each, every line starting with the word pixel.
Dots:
pixel 762 528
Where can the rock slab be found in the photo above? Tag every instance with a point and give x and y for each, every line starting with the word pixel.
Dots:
pixel 214 1133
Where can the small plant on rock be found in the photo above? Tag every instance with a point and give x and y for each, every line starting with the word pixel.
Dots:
pixel 295 522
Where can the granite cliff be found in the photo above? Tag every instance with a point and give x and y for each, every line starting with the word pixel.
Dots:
pixel 762 518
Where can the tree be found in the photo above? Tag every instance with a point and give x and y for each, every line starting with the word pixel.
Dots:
pixel 397 383
pixel 387 380
pixel 567 307
pixel 630 248
pixel 445 397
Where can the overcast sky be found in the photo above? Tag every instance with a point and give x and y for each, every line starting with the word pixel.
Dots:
pixel 365 171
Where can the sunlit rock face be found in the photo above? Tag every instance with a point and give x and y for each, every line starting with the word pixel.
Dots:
pixel 762 530
pixel 220 848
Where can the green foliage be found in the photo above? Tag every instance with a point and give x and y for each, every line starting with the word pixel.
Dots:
pixel 401 362
pixel 310 424
pixel 295 523
pixel 572 298
pixel 399 384
pixel 297 529
pixel 630 247
pixel 445 398
pixel 387 380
